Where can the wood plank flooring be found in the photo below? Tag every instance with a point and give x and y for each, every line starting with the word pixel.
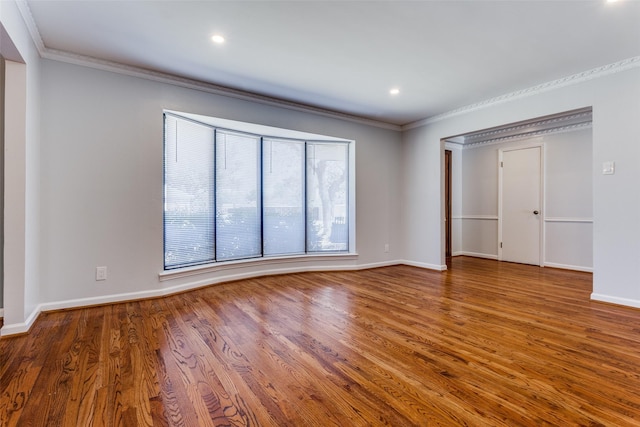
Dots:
pixel 483 344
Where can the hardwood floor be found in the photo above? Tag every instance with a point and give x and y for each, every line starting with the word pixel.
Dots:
pixel 485 343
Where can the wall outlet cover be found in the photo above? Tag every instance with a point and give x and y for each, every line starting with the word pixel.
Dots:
pixel 101 273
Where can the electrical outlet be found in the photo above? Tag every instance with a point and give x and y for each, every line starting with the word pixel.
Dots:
pixel 101 273
pixel 608 168
pixel 386 247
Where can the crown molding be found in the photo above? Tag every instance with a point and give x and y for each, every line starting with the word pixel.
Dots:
pixel 546 123
pixel 594 73
pixel 27 17
pixel 128 70
pixel 527 135
pixel 116 67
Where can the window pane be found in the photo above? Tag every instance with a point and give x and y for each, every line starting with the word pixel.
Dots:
pixel 188 192
pixel 238 226
pixel 327 206
pixel 283 196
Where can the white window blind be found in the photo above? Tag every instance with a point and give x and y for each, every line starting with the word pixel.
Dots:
pixel 327 197
pixel 232 195
pixel 238 210
pixel 188 196
pixel 283 196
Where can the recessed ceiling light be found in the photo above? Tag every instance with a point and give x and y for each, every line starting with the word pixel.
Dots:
pixel 217 39
pixel 394 91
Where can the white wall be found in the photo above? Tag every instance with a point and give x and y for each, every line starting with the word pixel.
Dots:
pixel 568 206
pixel 2 72
pixel 479 192
pixel 567 213
pixel 615 98
pixel 22 168
pixel 102 183
pixel 83 178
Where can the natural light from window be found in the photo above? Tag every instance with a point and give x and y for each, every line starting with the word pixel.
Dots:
pixel 235 191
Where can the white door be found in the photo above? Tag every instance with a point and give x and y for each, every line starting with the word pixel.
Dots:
pixel 520 227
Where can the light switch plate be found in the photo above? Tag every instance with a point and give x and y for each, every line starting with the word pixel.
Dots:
pixel 608 168
pixel 101 273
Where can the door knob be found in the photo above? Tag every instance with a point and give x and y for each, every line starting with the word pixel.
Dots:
pixel 536 212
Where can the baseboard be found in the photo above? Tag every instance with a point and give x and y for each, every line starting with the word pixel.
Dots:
pixel 424 265
pixel 616 300
pixel 476 255
pixel 21 328
pixel 569 267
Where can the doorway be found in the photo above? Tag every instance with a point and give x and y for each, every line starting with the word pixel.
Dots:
pixel 447 205
pixel 520 205
pixel 2 84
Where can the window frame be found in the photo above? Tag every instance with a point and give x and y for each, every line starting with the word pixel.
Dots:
pixel 275 134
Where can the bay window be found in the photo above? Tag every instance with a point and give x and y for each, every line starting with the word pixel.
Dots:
pixel 233 194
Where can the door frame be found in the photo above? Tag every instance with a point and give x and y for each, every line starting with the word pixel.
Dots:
pixel 501 152
pixel 447 201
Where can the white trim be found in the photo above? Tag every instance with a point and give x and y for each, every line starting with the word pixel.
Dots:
pixel 132 71
pixel 20 328
pixel 30 23
pixel 528 135
pixel 476 255
pixel 88 61
pixel 83 302
pixel 450 145
pixel 616 67
pixel 552 123
pixel 255 262
pixel 569 267
pixel 424 265
pixel 157 76
pixel 616 300
pixel 569 219
pixel 478 217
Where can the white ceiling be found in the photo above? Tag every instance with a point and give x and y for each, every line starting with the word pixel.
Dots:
pixel 344 56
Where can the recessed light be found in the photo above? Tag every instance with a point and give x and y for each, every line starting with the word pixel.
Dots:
pixel 394 91
pixel 217 39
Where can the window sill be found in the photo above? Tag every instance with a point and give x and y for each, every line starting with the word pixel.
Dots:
pixel 254 262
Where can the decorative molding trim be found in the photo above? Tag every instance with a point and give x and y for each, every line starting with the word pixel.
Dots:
pixel 568 267
pixel 578 117
pixel 424 265
pixel 301 260
pixel 615 300
pixel 21 328
pixel 584 76
pixel 477 255
pixel 529 135
pixel 569 220
pixel 27 17
pixel 215 89
pixel 128 70
pixel 450 145
pixel 116 67
pixel 555 123
pixel 478 217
